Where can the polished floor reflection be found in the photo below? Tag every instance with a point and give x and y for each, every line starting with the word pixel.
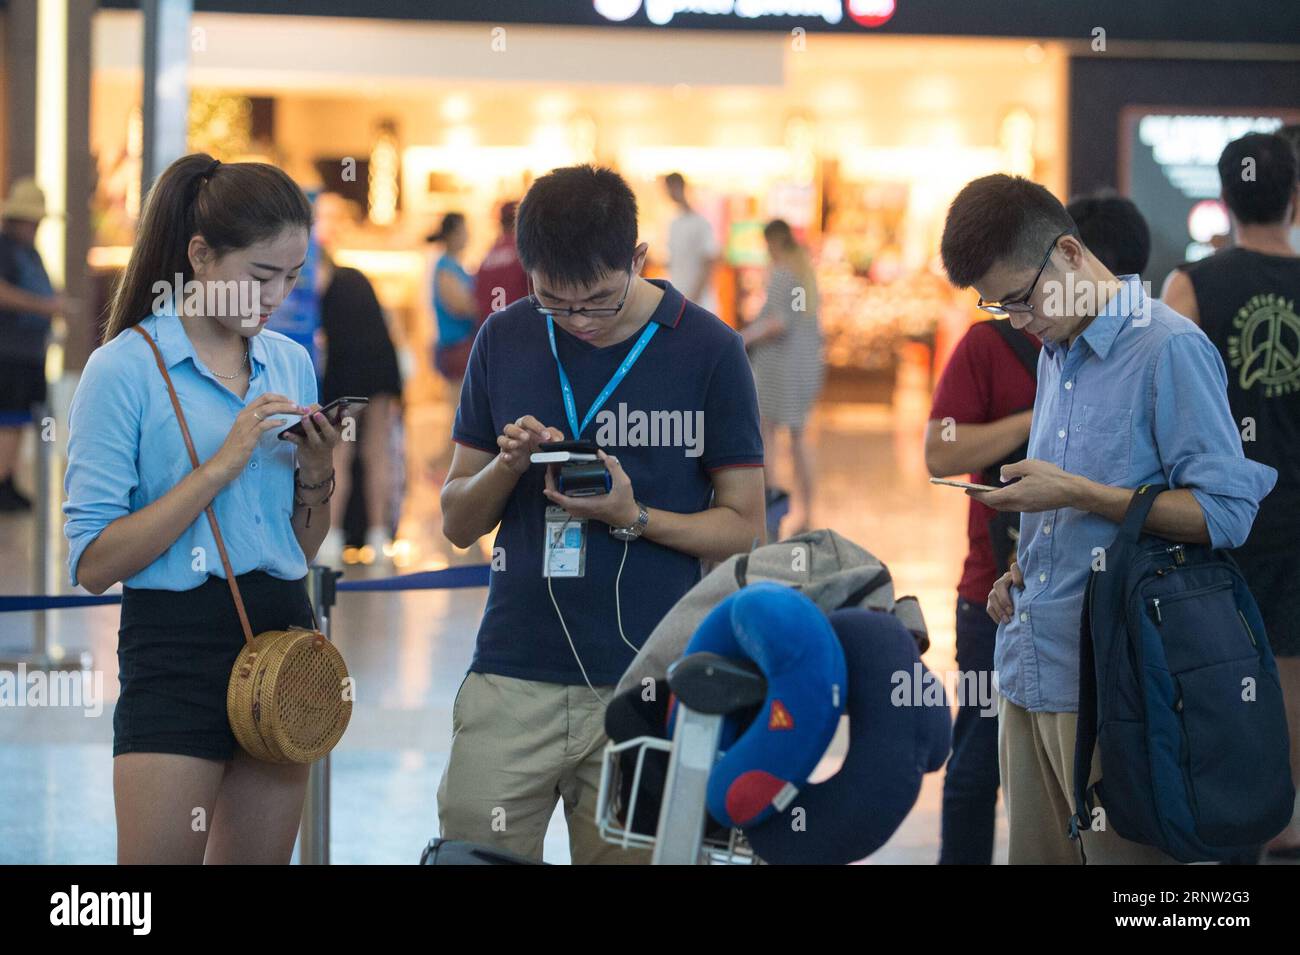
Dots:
pixel 410 650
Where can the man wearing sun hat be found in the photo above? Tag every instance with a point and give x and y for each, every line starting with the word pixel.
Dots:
pixel 27 303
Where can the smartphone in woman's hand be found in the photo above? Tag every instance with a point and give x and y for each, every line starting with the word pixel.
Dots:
pixel 334 412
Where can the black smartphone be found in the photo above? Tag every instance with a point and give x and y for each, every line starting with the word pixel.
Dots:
pixel 578 447
pixel 338 404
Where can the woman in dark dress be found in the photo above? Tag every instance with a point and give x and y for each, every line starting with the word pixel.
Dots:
pixel 360 361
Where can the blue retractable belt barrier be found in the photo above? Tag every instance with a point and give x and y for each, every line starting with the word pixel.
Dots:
pixel 453 578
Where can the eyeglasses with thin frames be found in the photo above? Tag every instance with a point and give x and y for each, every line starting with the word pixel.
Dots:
pixel 598 312
pixel 1021 304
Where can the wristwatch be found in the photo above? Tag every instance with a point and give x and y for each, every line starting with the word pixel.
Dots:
pixel 634 530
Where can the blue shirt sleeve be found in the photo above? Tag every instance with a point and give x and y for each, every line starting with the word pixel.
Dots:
pixel 473 426
pixel 732 437
pixel 1198 442
pixel 103 444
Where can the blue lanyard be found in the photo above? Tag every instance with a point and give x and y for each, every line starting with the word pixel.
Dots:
pixel 570 409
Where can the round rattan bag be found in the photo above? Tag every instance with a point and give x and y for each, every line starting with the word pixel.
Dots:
pixel 288 700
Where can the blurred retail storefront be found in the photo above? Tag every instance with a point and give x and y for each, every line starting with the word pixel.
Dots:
pixel 855 120
pixel 860 147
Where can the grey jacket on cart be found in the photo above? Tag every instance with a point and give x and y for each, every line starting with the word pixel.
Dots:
pixel 829 569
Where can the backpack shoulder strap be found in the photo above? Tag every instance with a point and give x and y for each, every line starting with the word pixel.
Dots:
pixel 1017 342
pixel 1085 734
pixel 1139 507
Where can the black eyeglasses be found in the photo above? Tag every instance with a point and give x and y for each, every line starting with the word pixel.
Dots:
pixel 1021 304
pixel 599 311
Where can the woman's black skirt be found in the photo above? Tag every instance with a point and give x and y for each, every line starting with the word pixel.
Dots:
pixel 175 651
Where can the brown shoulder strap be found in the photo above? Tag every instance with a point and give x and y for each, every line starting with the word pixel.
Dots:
pixel 194 460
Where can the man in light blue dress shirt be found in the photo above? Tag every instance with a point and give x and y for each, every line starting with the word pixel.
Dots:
pixel 1129 393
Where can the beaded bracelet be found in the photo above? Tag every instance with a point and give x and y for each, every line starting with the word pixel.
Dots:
pixel 311 487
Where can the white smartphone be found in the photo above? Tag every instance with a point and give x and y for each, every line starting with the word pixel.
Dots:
pixel 559 457
pixel 963 484
pixel 562 452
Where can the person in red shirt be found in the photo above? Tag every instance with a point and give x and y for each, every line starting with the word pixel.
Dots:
pixel 501 279
pixel 979 419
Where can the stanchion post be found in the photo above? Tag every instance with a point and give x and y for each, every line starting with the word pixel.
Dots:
pixel 314 832
pixel 40 657
pixel 41 552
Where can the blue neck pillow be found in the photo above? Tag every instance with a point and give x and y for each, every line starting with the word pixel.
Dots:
pixel 891 747
pixel 791 640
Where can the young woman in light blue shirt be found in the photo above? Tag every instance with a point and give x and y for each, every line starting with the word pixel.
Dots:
pixel 218 249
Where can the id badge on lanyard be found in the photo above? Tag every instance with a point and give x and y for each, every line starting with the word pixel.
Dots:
pixel 565 544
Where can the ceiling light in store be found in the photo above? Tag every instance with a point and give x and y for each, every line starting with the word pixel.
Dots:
pixel 549 136
pixel 553 105
pixel 383 176
pixel 1016 139
pixel 457 108
pixel 1207 219
pixel 617 10
pixel 134 150
pixel 583 132
pixel 870 13
pixel 461 137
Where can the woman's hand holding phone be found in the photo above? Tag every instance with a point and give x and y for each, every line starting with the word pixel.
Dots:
pixel 316 450
pixel 250 424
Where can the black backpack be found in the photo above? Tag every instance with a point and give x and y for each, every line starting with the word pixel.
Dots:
pixel 1179 690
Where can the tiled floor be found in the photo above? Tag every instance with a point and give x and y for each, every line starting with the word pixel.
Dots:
pixel 409 652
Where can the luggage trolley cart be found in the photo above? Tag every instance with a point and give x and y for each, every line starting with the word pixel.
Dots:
pixel 708 687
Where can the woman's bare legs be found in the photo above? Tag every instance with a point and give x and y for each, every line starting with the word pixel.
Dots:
pixel 164 805
pixel 342 482
pixel 258 812
pixel 182 810
pixel 379 421
pixel 436 467
pixel 803 480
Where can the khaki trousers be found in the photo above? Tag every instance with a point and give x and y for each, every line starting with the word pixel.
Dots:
pixel 1036 759
pixel 518 746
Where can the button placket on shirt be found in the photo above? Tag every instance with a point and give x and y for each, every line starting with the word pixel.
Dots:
pixel 1069 370
pixel 251 497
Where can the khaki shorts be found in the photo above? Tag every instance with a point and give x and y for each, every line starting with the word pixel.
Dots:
pixel 517 747
pixel 1036 759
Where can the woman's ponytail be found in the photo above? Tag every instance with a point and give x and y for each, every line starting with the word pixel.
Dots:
pixel 232 205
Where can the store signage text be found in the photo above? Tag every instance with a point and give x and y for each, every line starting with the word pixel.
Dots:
pixel 869 13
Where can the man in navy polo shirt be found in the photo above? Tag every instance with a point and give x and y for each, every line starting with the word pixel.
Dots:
pixel 595 352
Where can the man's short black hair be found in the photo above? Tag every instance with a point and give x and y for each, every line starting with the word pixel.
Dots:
pixel 1258 175
pixel 674 179
pixel 1114 231
pixel 999 218
pixel 576 225
pixel 1291 133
